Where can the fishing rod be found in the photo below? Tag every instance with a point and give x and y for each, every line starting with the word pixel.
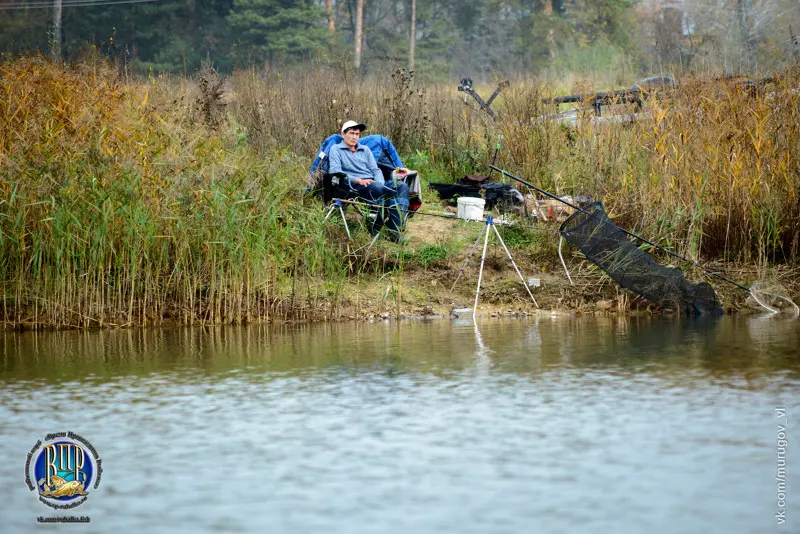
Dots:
pixel 747 289
pixel 631 234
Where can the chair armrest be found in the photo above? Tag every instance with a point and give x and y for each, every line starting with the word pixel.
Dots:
pixel 338 177
pixel 409 178
pixel 333 184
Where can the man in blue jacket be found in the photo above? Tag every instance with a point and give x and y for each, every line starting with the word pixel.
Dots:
pixel 365 178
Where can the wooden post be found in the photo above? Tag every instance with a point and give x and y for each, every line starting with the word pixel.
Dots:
pixel 413 35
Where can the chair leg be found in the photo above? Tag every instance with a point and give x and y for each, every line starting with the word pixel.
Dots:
pixel 337 204
pixel 346 228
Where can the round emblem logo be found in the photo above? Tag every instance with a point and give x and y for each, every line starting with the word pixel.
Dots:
pixel 63 468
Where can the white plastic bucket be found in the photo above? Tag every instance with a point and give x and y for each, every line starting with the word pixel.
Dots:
pixel 470 208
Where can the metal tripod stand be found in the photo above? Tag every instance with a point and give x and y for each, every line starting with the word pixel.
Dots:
pixel 485 234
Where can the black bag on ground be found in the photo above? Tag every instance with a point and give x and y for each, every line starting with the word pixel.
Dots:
pixel 504 196
pixel 447 191
pixel 607 246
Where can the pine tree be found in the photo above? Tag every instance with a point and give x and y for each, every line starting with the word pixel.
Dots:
pixel 278 29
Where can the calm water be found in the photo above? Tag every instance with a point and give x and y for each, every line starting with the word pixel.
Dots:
pixel 540 425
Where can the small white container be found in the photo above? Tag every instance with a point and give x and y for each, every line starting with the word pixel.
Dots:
pixel 471 208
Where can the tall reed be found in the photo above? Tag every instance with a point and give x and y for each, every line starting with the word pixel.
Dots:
pixel 119 206
pixel 711 168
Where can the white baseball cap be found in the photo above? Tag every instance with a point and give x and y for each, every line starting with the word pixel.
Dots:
pixel 353 124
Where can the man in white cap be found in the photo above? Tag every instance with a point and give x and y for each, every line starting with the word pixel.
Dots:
pixel 365 178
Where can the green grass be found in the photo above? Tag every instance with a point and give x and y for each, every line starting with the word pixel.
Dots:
pixel 431 255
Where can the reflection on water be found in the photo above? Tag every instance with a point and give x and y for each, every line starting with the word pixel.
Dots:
pixel 743 347
pixel 556 425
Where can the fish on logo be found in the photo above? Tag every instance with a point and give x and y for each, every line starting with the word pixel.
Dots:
pixel 60 488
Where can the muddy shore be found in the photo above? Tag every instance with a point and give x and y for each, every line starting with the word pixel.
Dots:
pixel 432 290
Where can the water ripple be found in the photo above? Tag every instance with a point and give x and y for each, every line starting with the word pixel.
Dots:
pixel 573 427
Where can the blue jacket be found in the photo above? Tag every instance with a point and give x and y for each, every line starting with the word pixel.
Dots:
pixel 382 150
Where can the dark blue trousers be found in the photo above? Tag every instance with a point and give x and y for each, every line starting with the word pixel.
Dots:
pixel 392 197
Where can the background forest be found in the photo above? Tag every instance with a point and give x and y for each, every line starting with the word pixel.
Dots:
pixel 452 38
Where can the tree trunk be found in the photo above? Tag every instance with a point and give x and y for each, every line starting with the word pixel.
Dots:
pixel 331 17
pixel 56 45
pixel 359 25
pixel 669 32
pixel 547 12
pixel 413 35
pixel 747 39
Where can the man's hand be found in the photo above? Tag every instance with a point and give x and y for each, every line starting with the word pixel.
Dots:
pixel 362 181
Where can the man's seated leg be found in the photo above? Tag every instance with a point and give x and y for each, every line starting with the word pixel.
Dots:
pixel 375 193
pixel 397 207
pixel 393 198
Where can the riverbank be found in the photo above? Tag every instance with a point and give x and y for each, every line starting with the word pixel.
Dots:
pixel 429 288
pixel 421 280
pixel 141 202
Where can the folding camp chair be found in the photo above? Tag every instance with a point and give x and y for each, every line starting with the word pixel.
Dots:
pixel 330 193
pixel 335 190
